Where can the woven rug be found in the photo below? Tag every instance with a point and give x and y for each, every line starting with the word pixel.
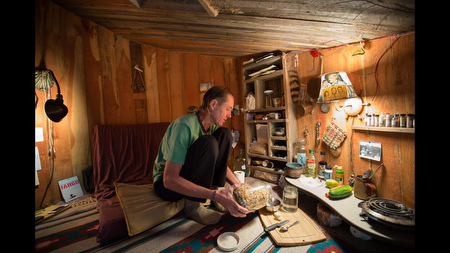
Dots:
pixel 75 230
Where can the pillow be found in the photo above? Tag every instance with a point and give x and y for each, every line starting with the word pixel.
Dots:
pixel 143 208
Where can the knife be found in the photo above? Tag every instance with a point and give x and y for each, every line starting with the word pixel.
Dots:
pixel 276 225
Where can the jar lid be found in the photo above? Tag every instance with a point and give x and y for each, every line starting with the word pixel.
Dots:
pixel 322 152
pixel 268 92
pixel 228 241
pixel 311 151
pixel 402 114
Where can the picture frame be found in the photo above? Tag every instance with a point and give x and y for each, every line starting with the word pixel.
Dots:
pixel 370 150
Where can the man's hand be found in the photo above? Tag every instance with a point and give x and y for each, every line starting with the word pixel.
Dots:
pixel 226 199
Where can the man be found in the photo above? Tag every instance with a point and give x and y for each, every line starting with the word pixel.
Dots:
pixel 192 159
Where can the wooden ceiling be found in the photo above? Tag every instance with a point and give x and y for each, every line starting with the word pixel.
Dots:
pixel 243 27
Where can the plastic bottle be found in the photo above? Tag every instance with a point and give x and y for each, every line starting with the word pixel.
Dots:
pixel 300 150
pixel 339 172
pixel 240 163
pixel 310 164
pixel 328 173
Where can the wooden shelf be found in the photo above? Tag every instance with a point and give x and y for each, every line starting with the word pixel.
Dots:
pixel 266 157
pixel 385 129
pixel 276 74
pixel 270 170
pixel 268 109
pixel 265 121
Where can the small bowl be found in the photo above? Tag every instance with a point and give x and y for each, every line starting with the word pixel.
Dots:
pixel 273 205
pixel 294 170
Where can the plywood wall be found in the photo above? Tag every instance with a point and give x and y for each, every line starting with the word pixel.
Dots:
pixel 396 93
pixel 171 79
pixel 59 47
pixel 95 70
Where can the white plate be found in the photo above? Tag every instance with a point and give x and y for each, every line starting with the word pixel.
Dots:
pixel 228 241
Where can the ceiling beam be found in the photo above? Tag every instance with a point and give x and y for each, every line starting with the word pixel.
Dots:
pixel 207 5
pixel 137 3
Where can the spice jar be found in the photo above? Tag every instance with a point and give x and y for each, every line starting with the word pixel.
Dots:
pixel 382 120
pixel 369 120
pixel 253 195
pixel 402 120
pixel 376 120
pixel 388 120
pixel 395 121
pixel 410 120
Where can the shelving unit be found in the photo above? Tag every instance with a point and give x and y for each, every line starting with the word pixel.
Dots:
pixel 279 148
pixel 385 129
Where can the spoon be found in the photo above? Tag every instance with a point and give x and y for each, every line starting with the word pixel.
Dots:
pixel 286 228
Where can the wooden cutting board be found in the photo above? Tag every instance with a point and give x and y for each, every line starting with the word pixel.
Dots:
pixel 306 232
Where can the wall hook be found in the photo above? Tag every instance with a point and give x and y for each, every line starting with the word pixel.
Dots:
pixel 134 85
pixel 360 51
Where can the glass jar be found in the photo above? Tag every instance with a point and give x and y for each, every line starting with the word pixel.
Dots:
pixel 409 120
pixel 402 120
pixel 369 120
pixel 395 121
pixel 301 147
pixel 290 199
pixel 388 120
pixel 268 100
pixel 382 122
pixel 253 195
pixel 240 163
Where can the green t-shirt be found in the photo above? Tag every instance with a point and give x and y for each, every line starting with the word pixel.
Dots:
pixel 179 136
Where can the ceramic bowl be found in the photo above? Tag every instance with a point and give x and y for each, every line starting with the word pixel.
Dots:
pixel 294 170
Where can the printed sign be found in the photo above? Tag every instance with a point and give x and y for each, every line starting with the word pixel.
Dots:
pixel 70 188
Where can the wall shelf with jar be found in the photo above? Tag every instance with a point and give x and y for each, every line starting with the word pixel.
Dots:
pixel 385 129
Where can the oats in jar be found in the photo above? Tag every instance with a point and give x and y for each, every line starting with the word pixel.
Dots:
pixel 252 198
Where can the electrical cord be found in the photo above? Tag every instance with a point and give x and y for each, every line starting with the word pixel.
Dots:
pixel 376 66
pixel 51 148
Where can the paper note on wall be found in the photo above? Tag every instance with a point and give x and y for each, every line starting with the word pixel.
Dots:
pixel 38 134
pixel 36 178
pixel 37 160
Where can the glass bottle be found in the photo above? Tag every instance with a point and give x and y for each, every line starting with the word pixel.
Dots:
pixel 395 120
pixel 310 164
pixel 240 163
pixel 322 166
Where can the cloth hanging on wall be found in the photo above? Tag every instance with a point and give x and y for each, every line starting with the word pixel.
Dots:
pixel 334 135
